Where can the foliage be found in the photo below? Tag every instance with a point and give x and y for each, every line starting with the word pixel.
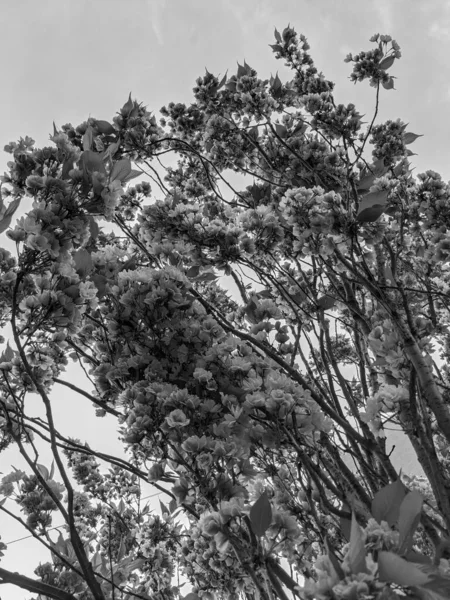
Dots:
pixel 261 417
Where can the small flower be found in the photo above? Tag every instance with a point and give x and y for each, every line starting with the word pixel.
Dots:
pixel 177 418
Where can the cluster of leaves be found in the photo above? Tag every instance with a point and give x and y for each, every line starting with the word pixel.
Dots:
pixel 240 410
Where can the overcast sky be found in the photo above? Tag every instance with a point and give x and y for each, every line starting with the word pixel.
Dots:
pixel 66 60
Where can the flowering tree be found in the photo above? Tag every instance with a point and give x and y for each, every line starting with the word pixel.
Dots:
pixel 261 417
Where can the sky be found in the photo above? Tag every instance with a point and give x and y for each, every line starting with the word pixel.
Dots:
pixel 64 61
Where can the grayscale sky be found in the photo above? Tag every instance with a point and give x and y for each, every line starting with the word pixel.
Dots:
pixel 66 60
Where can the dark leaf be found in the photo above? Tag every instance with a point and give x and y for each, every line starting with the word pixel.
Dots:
pixel 83 262
pixel 378 168
pixel 55 131
pixel 261 515
pixel 111 150
pixel 73 291
pixel 67 167
pixel 222 82
pixel 100 282
pixel 276 83
pixel 334 560
pixel 417 557
pixel 127 107
pixel 91 161
pixel 409 138
pixel 326 302
pixel 386 63
pixel 121 169
pixel 7 354
pixel 88 138
pixel 241 71
pixel 281 130
pixel 439 586
pixel 131 175
pixel 278 36
pixel 7 217
pixel 345 524
pixel 365 182
pixel 44 472
pixel 97 185
pixel 408 519
pixel 370 214
pixel 206 277
pixel 11 208
pixel 104 127
pixel 264 294
pixel 276 47
pixel 193 271
pixel 164 509
pixel 372 206
pixel 394 569
pixel 93 228
pixel 389 84
pixel 386 502
pixel 356 550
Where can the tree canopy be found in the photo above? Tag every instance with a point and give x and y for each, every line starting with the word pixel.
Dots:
pixel 256 313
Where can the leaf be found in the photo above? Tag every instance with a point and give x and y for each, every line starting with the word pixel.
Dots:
pixel 345 524
pixel 83 262
pixel 281 130
pixel 276 47
pixel 356 552
pixel 334 560
pixel 389 84
pixel 104 127
pixel 93 228
pixel 261 515
pixel 278 37
pixel 43 471
pixel 193 271
pixel 164 509
pixel 133 173
pixel 417 557
pixel 372 207
pixel 241 71
pixel 121 169
pixel 386 63
pixel 7 354
pixel 365 182
pixel 408 519
pixel 439 588
pixel 92 161
pixel 122 549
pixel 378 168
pixel 326 302
pixel 100 282
pixel 67 166
pixel 191 596
pixel 173 506
pixel 127 107
pixel 7 217
pixel 394 569
pixel 111 150
pixel 52 469
pixel 409 138
pixel 55 131
pixel 386 503
pixel 88 138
